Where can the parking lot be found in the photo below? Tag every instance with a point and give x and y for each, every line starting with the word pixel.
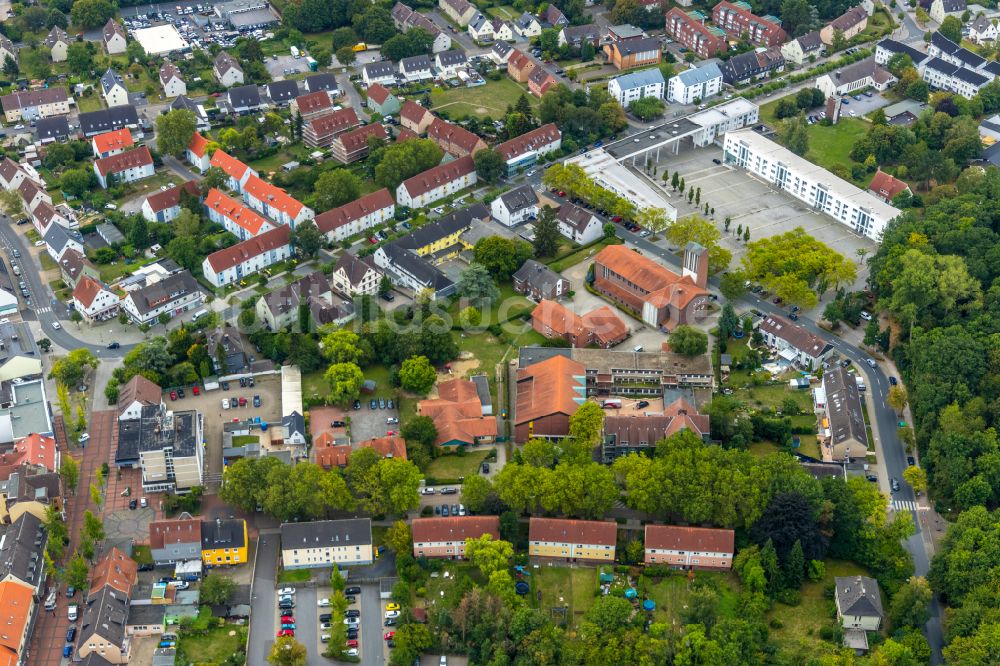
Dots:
pixel 283 66
pixel 196 22
pixel 368 423
pixel 858 108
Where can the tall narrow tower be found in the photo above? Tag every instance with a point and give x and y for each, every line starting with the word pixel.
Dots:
pixel 696 264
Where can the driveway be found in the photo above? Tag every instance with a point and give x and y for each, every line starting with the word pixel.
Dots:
pixel 370 636
pixel 263 617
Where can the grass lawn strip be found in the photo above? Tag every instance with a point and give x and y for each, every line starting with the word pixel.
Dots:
pixel 215 646
pixel 454 466
pixel 565 586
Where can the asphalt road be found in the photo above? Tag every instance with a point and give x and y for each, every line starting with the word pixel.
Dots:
pixel 370 635
pixel 893 452
pixel 263 617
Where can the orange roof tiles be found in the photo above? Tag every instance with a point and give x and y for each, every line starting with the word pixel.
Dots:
pixel 252 247
pixel 333 456
pixel 128 160
pixel 229 164
pixel 387 447
pixel 274 197
pixel 313 102
pixel 412 111
pixel 458 413
pixel 35 449
pixel 115 569
pixel 605 325
pixel 178 530
pixel 116 140
pixel 86 290
pixel 15 609
pixel 454 528
pixel 699 539
pixel 549 387
pixel 454 139
pixel 378 93
pixel 559 530
pixel 171 197
pixel 662 286
pixel 235 211
pixel 886 185
pixel 198 144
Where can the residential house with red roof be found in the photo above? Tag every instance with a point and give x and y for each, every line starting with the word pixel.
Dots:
pixel 600 327
pixel 520 65
pixel 353 145
pixel 232 264
pixel 321 131
pixel 234 216
pixel 354 276
pixel 689 29
pixel 17 608
pixel 381 100
pixel 849 24
pixel 539 81
pixel 454 139
pixel 700 548
pixel 115 569
pixel 522 152
pixel 165 205
pixel 659 296
pixel 237 171
pixel 459 415
pixel 274 202
pixel 437 182
pixel 739 22
pixel 197 153
pixel 175 540
pixel 572 540
pixel 137 393
pixel 793 343
pixel 94 301
pixel 32 195
pixel 547 393
pixel 628 432
pixel 339 224
pixel 415 117
pixel 38 452
pixel 75 264
pixel 328 454
pixel 445 537
pixel 311 104
pixel 111 143
pixel 127 167
pixel 887 187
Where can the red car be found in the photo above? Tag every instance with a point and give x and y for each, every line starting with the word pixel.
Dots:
pixel 287 619
pixel 373 240
pixel 286 632
pixel 243 402
pixel 562 193
pixel 194 390
pixel 173 395
pixel 389 634
pixel 616 218
pixel 353 643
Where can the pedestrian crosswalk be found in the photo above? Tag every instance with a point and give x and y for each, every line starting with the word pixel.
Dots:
pixel 41 310
pixel 903 505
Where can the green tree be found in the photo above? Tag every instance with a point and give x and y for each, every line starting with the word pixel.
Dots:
pixel 399 539
pixel 501 256
pixel 70 369
pixel 477 491
pixel 916 477
pixel 390 486
pixel 476 284
pixel 696 229
pixel 93 527
pixel 647 108
pixel 77 182
pixel 90 14
pixel 69 471
pixel 307 239
pixel 416 374
pixel 287 651
pixel 79 58
pixel 345 55
pixel 547 236
pixel 336 188
pixel 77 572
pixel 897 397
pixel 585 428
pixel 174 130
pixel 910 605
pixel 490 165
pixel 951 27
pixel 488 555
pixel 400 161
pixel 794 135
pixel 688 341
pixel 420 430
pixel 216 589
pixel 345 380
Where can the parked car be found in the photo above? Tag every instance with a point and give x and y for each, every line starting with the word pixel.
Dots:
pixel 353 589
pixel 286 591
pixel 893 381
pixel 256 401
pixel 895 485
pixel 71 633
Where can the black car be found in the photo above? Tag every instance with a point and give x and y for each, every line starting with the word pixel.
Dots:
pixel 793 316
pixel 352 590
pixel 716 160
pixel 893 381
pixel 325 617
pixel 352 612
pixel 256 401
pixel 641 404
pixel 350 598
pixel 225 386
pixel 872 478
pixel 357 404
pixel 911 461
pixel 352 633
pixel 373 404
pixel 390 622
pixel 846 362
pixel 133 504
pixel 243 382
pixel 180 393
pixel 387 296
pixel 114 345
pixel 71 633
pixel 146 567
pixel 389 404
pixel 338 424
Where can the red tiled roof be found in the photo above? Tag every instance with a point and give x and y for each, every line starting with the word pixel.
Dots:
pixel 332 122
pixel 453 138
pixel 171 197
pixel 116 140
pixel 355 210
pixel 528 141
pixel 178 530
pixel 378 93
pixel 700 539
pixel 35 449
pixel 86 290
pixel 558 317
pixel 355 139
pixel 229 164
pixel 606 326
pixel 454 528
pixel 663 287
pixel 273 196
pixel 235 211
pixel 15 611
pixel 519 59
pixel 333 456
pixel 198 144
pixel 115 569
pixel 412 111
pixel 886 185
pixel 458 413
pixel 548 387
pixel 312 102
pixel 122 161
pixel 437 176
pixel 559 530
pixel 405 134
pixel 237 254
pixel 387 447
pixel 139 389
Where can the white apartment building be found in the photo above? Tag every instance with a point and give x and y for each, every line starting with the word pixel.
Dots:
pixel 326 543
pixel 339 224
pixel 857 209
pixel 628 88
pixel 437 182
pixel 695 84
pixel 244 259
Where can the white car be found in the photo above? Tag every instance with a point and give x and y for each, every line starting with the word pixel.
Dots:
pixel 56 325
pixel 286 590
pixel 351 621
pixel 323 602
pixel 392 420
pixel 72 612
pixel 870 362
pixel 225 403
pixel 389 615
pixel 866 315
pixel 353 652
pixel 85 437
pixel 427 491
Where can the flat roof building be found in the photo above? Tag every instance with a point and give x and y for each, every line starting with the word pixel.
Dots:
pixel 166 445
pixel 160 40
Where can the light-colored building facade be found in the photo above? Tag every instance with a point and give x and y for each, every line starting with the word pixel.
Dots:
pixel 695 84
pixel 572 540
pixel 437 182
pixel 244 259
pixel 445 537
pixel 634 86
pixel 690 547
pixel 326 543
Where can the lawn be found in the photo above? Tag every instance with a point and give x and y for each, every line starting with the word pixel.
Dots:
pixel 243 440
pixel 454 466
pixel 797 630
pixel 88 103
pixel 294 575
pixel 505 12
pixel 773 395
pixel 564 586
pixel 216 645
pixel 111 272
pixel 671 594
pixel 582 254
pixel 142 554
pixel 831 145
pixel 491 99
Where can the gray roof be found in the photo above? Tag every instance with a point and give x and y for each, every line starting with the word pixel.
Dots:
pixel 443 227
pixel 146 614
pixel 151 432
pixel 163 656
pixel 110 233
pixel 407 261
pixel 166 290
pixel 843 406
pixel 640 79
pixel 56 127
pixel 483 390
pixel 57 237
pixel 572 33
pixel 110 79
pixel 502 48
pixel 21 548
pixel 326 533
pixel 858 595
pixel 416 63
pixel 380 69
pixel 182 102
pixel 952 6
pixel 638 45
pixel 537 275
pixel 244 96
pixel 697 75
pixel 223 533
pixel 224 62
pixel 104 615
pixel 575 216
pixel 323 81
pixel 525 20
pixel 282 91
pixel 810 42
pixel 452 57
pixel 354 267
pixel 106 120
pixel 519 198
pixel 294 423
